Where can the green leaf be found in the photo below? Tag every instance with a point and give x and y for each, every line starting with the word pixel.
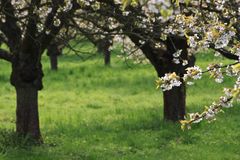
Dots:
pixel 126 3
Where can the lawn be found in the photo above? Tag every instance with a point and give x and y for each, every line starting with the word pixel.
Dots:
pixel 92 112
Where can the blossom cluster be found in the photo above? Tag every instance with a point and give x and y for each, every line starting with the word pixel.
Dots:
pixel 169 81
pixel 211 111
pixel 192 73
pixel 215 72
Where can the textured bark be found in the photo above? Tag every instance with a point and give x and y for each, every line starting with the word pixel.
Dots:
pixel 175 103
pixel 107 57
pixel 174 100
pixel 27 123
pixel 26 77
pixel 54 62
pixel 54 50
pixel 103 48
pixel 5 55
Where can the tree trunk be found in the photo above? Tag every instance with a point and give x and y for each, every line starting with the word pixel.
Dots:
pixel 99 48
pixel 27 123
pixel 103 48
pixel 107 57
pixel 53 51
pixel 162 60
pixel 26 77
pixel 175 103
pixel 53 61
pixel 175 100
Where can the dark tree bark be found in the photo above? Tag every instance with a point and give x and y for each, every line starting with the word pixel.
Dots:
pixel 54 62
pixel 27 123
pixel 54 50
pixel 5 55
pixel 107 57
pixel 174 101
pixel 103 47
pixel 27 78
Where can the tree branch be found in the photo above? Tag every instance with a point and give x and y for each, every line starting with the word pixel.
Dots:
pixel 227 54
pixel 5 55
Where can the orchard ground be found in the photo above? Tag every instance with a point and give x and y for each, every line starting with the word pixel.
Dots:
pixel 92 112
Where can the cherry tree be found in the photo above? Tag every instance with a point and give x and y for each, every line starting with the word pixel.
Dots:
pixel 169 33
pixel 148 32
pixel 166 32
pixel 205 24
pixel 27 28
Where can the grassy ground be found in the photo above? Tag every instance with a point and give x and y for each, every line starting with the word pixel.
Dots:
pixel 89 112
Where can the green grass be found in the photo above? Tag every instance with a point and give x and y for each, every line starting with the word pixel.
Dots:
pixel 92 112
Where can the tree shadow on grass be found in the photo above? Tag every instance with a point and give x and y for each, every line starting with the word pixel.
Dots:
pixel 137 131
pixel 95 139
pixel 9 139
pixel 14 146
pixel 121 138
